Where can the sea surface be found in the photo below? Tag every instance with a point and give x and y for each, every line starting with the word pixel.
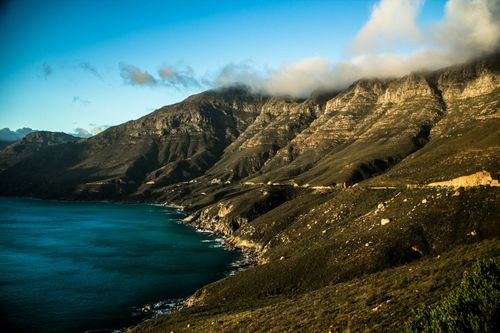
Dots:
pixel 80 266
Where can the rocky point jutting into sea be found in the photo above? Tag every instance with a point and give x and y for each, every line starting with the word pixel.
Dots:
pixel 348 199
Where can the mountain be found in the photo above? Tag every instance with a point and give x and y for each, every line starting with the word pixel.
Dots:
pixel 30 144
pixel 356 205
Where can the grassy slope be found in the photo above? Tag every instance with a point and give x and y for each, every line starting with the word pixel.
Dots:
pixel 380 301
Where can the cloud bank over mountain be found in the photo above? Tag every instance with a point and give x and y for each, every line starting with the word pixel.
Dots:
pixel 389 44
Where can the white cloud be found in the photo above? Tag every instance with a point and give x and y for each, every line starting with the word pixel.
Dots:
pixel 470 27
pixel 392 25
pixel 302 77
pixel 244 73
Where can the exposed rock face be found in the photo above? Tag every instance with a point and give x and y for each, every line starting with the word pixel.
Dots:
pixel 278 122
pixel 362 133
pixel 481 178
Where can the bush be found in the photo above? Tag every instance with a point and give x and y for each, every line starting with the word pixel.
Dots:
pixel 474 306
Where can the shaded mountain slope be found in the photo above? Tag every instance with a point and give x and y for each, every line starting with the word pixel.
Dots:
pixel 30 144
pixel 172 144
pixel 4 144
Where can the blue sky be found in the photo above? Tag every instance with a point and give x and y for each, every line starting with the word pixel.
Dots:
pixel 86 64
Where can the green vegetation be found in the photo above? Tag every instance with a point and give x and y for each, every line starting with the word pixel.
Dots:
pixel 473 306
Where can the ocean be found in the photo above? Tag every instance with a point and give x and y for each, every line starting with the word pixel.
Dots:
pixel 98 267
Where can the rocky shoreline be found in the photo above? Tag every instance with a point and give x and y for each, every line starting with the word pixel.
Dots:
pixel 166 307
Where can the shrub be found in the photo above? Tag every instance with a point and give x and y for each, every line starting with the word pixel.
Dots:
pixel 473 306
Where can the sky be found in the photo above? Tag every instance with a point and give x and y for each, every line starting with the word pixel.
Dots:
pixel 82 66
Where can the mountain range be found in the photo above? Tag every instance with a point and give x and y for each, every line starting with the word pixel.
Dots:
pixel 355 205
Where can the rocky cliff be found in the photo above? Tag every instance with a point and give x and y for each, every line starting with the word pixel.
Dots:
pixel 347 200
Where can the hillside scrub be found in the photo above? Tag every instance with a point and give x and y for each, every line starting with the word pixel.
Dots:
pixel 471 307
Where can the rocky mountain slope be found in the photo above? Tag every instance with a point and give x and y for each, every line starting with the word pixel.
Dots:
pixel 331 139
pixel 348 200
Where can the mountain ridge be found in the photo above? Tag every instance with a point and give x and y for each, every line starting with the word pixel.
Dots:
pixel 324 192
pixel 232 134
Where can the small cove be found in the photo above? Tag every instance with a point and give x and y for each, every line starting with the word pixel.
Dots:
pixel 83 266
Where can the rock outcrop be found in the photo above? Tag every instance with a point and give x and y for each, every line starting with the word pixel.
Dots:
pixel 481 178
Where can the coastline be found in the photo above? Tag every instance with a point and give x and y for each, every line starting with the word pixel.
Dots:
pixel 249 259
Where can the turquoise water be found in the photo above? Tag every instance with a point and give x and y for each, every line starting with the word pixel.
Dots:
pixel 75 266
